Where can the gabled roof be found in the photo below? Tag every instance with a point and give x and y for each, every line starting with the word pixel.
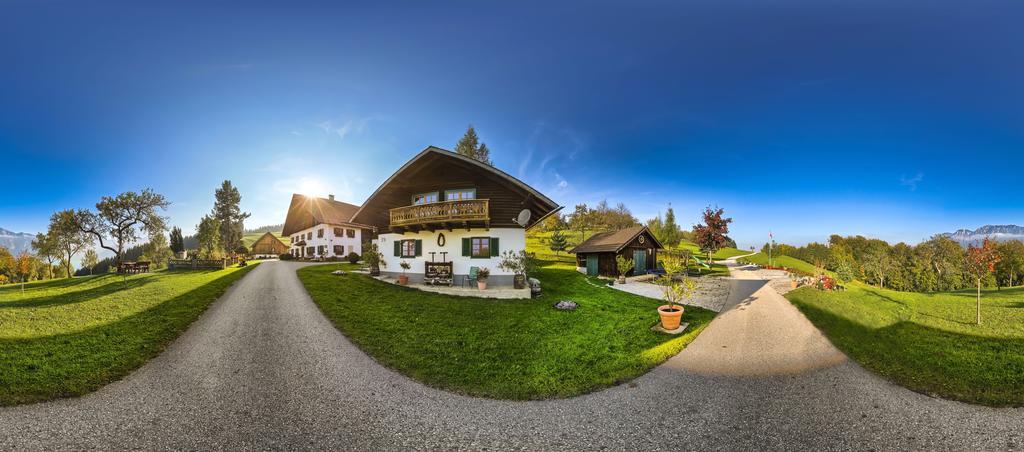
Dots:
pixel 306 212
pixel 540 204
pixel 615 241
pixel 272 238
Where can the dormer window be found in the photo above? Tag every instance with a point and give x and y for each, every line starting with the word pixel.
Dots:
pixel 424 198
pixel 460 194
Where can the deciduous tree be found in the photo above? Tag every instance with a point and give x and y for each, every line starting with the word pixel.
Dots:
pixel 90 259
pixel 45 246
pixel 67 237
pixel 711 235
pixel 118 220
pixel 208 236
pixel 981 262
pixel 23 267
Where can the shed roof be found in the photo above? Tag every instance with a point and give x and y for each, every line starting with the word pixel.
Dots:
pixel 615 241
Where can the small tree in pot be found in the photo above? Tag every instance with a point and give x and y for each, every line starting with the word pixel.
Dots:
pixel 623 265
pixel 373 258
pixel 521 264
pixel 481 278
pixel 403 279
pixel 674 292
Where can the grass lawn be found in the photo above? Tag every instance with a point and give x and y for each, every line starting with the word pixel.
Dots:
pixel 723 253
pixel 509 349
pixel 68 337
pixel 782 261
pixel 929 342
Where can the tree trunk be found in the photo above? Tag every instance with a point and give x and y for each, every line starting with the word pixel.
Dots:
pixel 979 301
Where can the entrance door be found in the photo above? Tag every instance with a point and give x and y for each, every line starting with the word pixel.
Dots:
pixel 639 262
pixel 591 265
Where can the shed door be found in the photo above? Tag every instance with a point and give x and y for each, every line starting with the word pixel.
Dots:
pixel 591 265
pixel 639 262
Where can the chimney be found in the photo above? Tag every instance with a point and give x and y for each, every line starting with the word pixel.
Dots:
pixel 331 197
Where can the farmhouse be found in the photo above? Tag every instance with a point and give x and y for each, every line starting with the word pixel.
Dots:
pixel 444 212
pixel 596 255
pixel 322 228
pixel 268 245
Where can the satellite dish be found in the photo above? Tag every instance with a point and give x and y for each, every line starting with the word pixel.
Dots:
pixel 523 218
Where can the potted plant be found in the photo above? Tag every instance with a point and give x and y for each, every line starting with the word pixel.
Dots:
pixel 674 292
pixel 372 257
pixel 520 264
pixel 793 282
pixel 623 266
pixel 481 278
pixel 403 279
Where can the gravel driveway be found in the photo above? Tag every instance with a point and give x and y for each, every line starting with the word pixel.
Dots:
pixel 263 369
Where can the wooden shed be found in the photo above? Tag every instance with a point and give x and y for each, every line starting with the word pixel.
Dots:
pixel 597 254
pixel 268 245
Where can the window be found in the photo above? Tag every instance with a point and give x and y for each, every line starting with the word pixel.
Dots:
pixel 408 248
pixel 320 250
pixel 481 247
pixel 309 235
pixel 458 195
pixel 337 232
pixel 339 250
pixel 424 198
pixel 320 233
pixel 350 233
pixel 309 251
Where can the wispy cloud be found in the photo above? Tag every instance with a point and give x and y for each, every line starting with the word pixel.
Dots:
pixel 345 128
pixel 911 182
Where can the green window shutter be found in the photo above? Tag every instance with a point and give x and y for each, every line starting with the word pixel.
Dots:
pixel 419 247
pixel 494 247
pixel 398 248
pixel 467 247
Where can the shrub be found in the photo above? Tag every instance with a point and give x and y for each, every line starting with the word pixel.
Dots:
pixel 352 257
pixel 286 257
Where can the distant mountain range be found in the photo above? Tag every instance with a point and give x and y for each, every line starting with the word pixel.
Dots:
pixel 15 242
pixel 999 233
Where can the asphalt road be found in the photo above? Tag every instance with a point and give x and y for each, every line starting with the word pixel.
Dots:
pixel 263 369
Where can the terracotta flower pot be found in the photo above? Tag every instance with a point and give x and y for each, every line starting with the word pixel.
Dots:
pixel 793 284
pixel 403 280
pixel 670 316
pixel 481 284
pixel 621 280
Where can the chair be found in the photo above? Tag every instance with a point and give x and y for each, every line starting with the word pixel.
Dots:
pixel 473 271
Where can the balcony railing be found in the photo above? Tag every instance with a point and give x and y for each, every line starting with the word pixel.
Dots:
pixel 441 212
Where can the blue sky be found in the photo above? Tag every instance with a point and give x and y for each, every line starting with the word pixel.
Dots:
pixel 887 119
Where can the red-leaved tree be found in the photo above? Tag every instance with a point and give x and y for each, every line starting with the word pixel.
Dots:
pixel 711 235
pixel 981 262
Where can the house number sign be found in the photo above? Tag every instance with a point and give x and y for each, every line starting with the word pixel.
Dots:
pixel 440 239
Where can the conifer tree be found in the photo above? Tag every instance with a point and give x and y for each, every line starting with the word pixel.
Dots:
pixel 470 146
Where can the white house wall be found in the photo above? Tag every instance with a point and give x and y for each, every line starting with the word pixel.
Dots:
pixel 508 239
pixel 328 240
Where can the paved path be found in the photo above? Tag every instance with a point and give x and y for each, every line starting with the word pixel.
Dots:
pixel 263 369
pixel 758 333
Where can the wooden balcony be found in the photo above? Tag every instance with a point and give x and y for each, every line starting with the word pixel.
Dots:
pixel 446 214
